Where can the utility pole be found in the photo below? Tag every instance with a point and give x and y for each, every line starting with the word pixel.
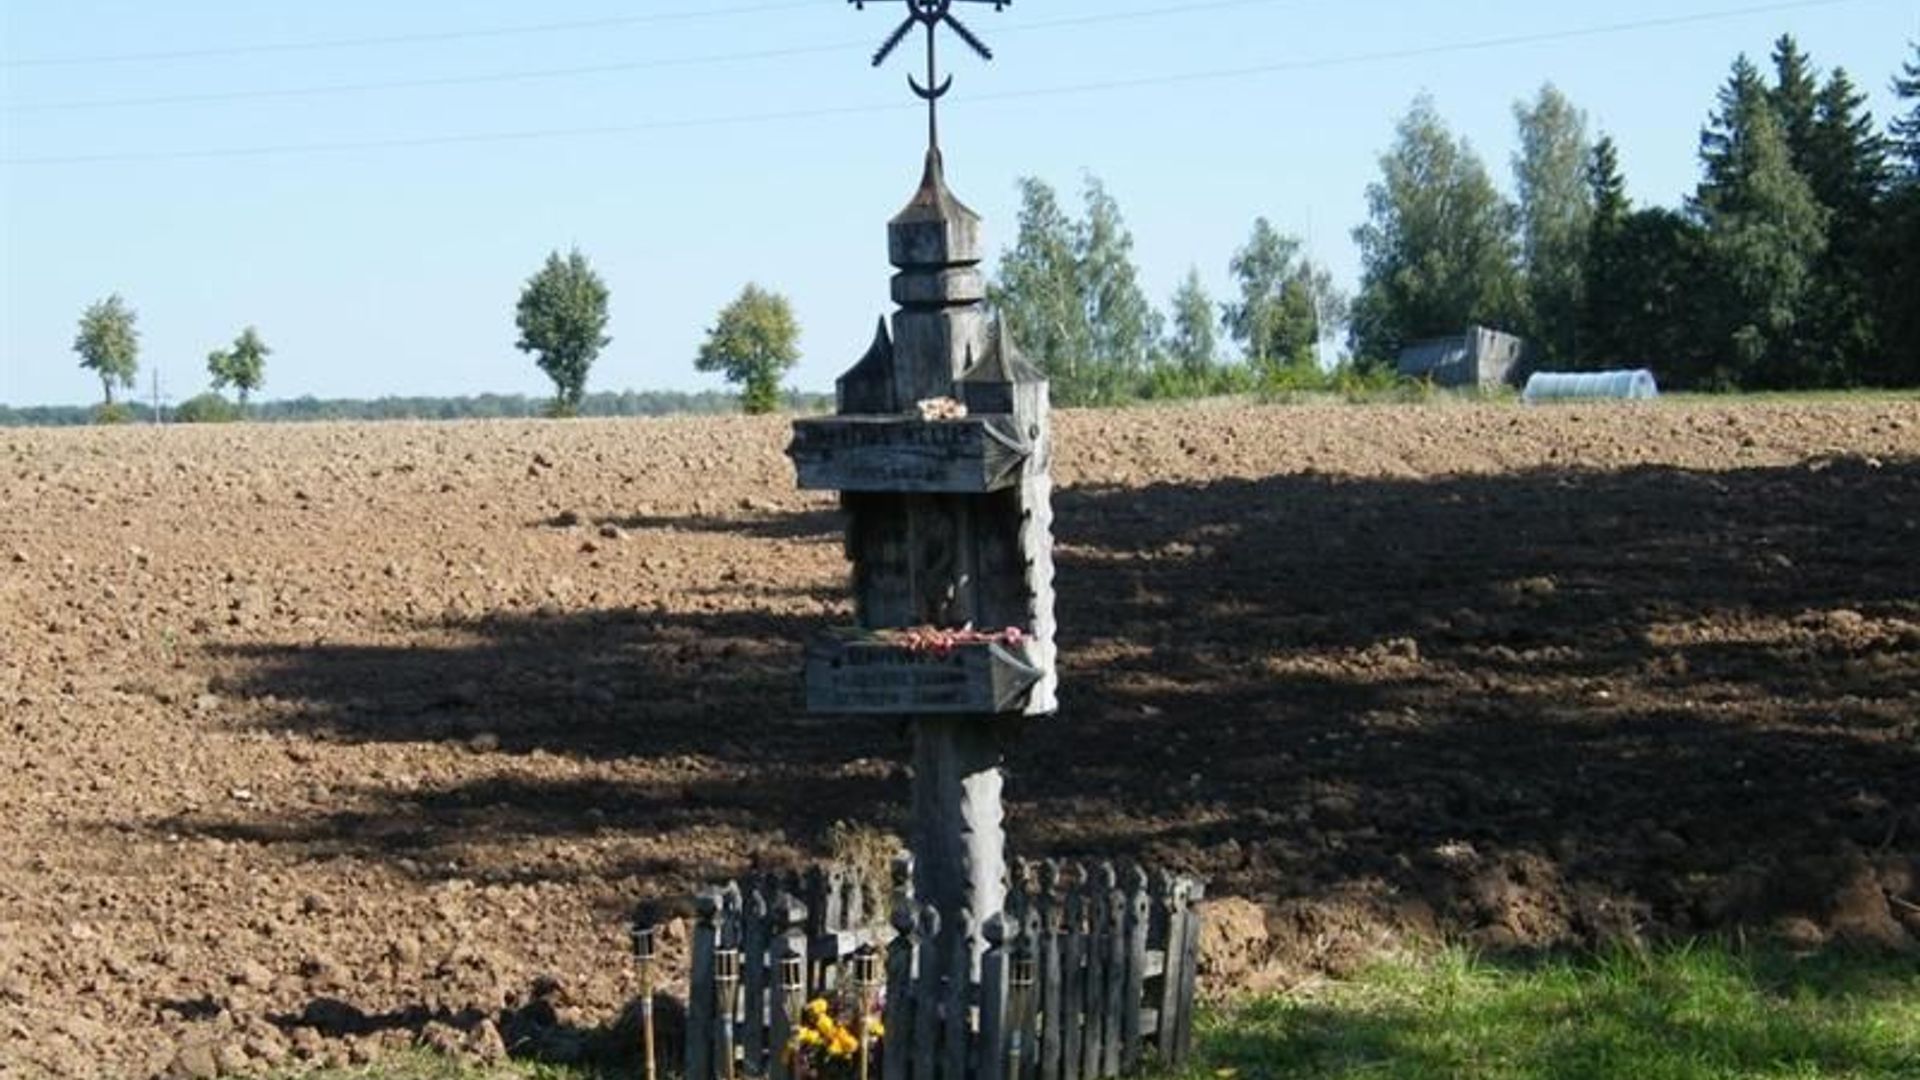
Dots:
pixel 159 407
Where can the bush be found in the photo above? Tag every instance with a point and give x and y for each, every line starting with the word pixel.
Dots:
pixel 208 408
pixel 112 413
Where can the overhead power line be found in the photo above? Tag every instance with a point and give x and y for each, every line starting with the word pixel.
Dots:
pixel 325 44
pixel 1137 82
pixel 578 71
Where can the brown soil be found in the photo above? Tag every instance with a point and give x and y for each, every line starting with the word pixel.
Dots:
pixel 317 740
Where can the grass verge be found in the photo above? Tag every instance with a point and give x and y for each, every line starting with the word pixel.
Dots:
pixel 1694 1013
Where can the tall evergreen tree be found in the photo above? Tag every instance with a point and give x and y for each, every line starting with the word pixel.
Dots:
pixel 1556 213
pixel 1765 232
pixel 1437 252
pixel 1845 163
pixel 1906 126
pixel 1605 308
pixel 1896 255
pixel 1845 159
pixel 1643 272
pixel 1606 188
pixel 1795 97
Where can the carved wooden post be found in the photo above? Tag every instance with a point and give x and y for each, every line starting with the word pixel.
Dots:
pixel 941 448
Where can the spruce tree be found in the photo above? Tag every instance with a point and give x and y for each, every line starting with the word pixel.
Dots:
pixel 1765 233
pixel 1896 253
pixel 1795 97
pixel 1906 126
pixel 1605 308
pixel 1845 163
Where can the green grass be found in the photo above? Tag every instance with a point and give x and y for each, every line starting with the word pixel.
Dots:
pixel 424 1065
pixel 1697 1013
pixel 1689 1014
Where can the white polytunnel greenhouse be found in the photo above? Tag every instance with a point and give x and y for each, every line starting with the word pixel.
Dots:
pixel 1634 385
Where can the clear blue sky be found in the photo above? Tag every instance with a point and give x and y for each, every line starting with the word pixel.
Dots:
pixel 378 235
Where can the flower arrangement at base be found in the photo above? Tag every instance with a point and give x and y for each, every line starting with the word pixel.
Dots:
pixel 826 1046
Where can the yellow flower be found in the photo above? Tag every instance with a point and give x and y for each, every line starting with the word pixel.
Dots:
pixel 817 1007
pixel 876 1029
pixel 809 1037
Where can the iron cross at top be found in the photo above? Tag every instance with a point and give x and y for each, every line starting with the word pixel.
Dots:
pixel 930 14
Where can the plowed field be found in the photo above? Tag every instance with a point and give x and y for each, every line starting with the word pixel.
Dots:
pixel 317 740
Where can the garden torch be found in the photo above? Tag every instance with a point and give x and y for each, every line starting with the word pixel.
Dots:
pixel 643 942
pixel 726 980
pixel 866 980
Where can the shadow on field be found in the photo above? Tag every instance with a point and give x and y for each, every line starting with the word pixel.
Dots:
pixel 1532 708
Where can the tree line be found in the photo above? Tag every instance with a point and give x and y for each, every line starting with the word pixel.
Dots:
pixel 1794 264
pixel 309 409
pixel 1791 266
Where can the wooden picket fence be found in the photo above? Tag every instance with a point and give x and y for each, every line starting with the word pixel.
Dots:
pixel 1087 974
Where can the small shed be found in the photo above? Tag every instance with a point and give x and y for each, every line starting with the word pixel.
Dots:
pixel 1478 358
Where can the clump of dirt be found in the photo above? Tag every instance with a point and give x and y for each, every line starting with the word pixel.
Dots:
pixel 316 741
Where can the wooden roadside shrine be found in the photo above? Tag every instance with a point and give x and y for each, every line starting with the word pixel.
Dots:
pixel 940 450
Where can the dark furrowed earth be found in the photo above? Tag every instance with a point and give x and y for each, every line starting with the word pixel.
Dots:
pixel 321 741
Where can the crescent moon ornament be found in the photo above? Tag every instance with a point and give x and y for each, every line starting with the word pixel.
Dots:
pixel 930 95
pixel 932 14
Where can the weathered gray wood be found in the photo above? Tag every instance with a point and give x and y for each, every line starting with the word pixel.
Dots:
pixel 1073 995
pixel 755 938
pixel 1014 546
pixel 834 893
pixel 1172 914
pixel 996 1019
pixel 1049 909
pixel 868 676
pixel 853 905
pixel 1094 1031
pixel 1114 1000
pixel 1189 970
pixel 958 841
pixel 896 454
pixel 879 546
pixel 932 346
pixel 783 1010
pixel 926 1005
pixel 1132 1028
pixel 867 387
pixel 700 999
pixel 956 997
pixel 1031 938
pixel 896 1062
